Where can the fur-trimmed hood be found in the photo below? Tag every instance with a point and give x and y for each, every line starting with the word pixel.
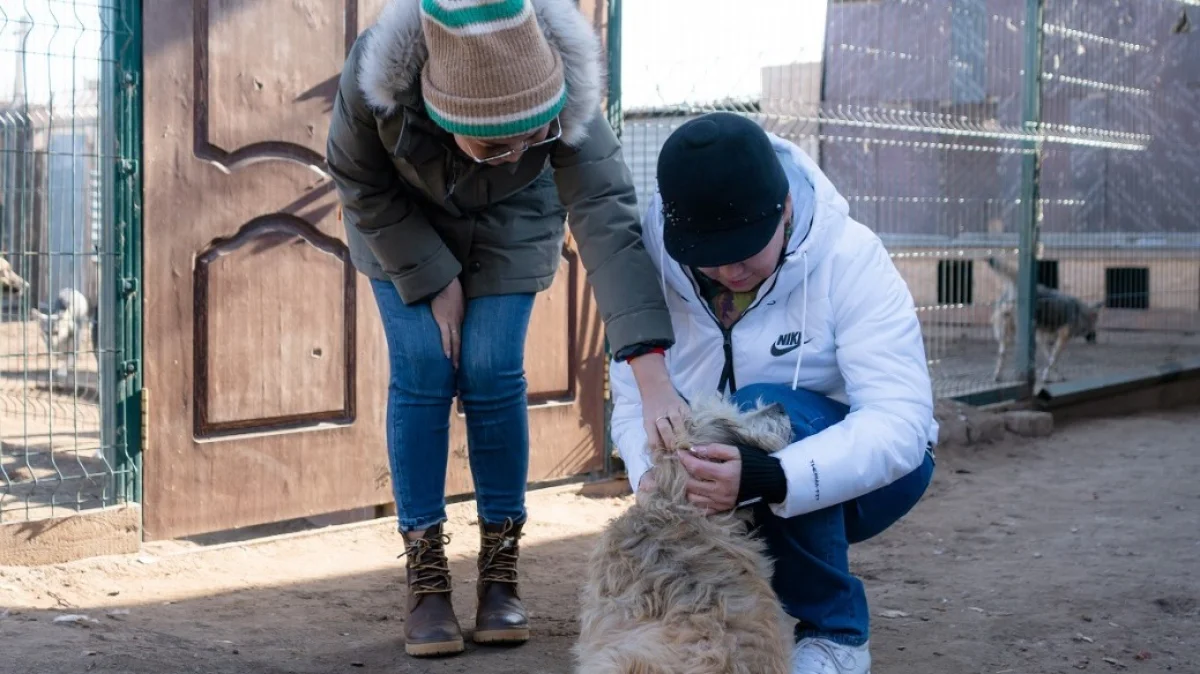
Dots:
pixel 394 53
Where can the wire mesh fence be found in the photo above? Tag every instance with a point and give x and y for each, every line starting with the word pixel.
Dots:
pixel 62 449
pixel 1119 227
pixel 940 122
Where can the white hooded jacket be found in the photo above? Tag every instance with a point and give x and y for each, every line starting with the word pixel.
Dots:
pixel 835 318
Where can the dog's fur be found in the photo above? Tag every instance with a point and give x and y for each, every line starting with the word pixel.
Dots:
pixel 671 590
pixel 1058 318
pixel 63 327
pixel 9 279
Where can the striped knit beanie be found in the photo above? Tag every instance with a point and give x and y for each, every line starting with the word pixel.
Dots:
pixel 490 72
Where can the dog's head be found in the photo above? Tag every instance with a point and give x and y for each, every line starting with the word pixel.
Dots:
pixel 716 420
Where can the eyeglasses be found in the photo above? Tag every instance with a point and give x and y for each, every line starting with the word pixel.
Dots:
pixel 554 134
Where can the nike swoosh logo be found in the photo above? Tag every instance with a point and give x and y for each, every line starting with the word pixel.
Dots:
pixel 776 351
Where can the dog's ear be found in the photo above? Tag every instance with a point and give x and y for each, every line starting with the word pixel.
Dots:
pixel 767 427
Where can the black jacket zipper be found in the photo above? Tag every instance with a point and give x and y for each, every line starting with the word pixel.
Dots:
pixel 728 381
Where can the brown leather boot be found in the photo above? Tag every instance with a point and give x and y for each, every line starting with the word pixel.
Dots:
pixel 500 618
pixel 430 627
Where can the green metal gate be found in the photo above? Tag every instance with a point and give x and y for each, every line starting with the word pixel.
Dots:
pixel 70 238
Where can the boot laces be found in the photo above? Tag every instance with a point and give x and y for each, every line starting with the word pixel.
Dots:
pixel 498 558
pixel 428 563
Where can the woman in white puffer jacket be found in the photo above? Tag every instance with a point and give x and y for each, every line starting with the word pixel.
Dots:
pixel 776 294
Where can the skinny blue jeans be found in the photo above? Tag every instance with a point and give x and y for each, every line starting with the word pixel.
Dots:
pixel 422 384
pixel 812 551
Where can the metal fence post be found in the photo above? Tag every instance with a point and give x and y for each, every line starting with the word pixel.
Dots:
pixel 1030 207
pixel 612 102
pixel 126 266
pixel 613 44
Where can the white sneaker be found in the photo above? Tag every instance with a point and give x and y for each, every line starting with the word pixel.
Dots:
pixel 822 656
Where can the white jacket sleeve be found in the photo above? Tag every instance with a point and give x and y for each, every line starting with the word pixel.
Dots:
pixel 628 434
pixel 881 356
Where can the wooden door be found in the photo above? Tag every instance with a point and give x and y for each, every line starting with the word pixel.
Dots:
pixel 264 356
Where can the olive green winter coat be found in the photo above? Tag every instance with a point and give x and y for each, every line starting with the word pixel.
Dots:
pixel 419 212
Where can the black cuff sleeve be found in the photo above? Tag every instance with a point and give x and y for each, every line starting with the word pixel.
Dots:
pixel 762 476
pixel 638 349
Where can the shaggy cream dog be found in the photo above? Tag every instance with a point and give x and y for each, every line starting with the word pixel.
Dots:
pixel 671 590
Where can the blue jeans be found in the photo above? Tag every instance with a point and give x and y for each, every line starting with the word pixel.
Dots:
pixel 811 551
pixel 490 382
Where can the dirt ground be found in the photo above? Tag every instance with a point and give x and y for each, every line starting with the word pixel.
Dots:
pixel 1072 552
pixel 963 360
pixel 51 462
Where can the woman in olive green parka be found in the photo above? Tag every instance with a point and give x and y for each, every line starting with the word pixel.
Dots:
pixel 464 133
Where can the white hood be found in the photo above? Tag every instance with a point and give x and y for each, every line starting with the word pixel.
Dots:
pixel 836 318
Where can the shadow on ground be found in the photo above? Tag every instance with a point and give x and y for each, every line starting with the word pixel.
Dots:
pixel 1069 553
pixel 350 623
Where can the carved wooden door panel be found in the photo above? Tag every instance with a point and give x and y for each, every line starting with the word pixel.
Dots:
pixel 265 365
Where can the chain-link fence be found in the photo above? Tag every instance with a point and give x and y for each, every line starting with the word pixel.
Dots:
pixel 66 196
pixel 940 121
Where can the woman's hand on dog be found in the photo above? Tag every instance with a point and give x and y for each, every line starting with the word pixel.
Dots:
pixel 664 411
pixel 716 476
pixel 663 414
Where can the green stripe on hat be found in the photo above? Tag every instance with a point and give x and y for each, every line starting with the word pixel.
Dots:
pixel 458 18
pixel 488 129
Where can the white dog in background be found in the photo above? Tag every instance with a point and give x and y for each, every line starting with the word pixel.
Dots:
pixel 63 328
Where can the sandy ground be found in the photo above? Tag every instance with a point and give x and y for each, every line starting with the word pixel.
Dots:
pixel 1073 552
pixel 50 459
